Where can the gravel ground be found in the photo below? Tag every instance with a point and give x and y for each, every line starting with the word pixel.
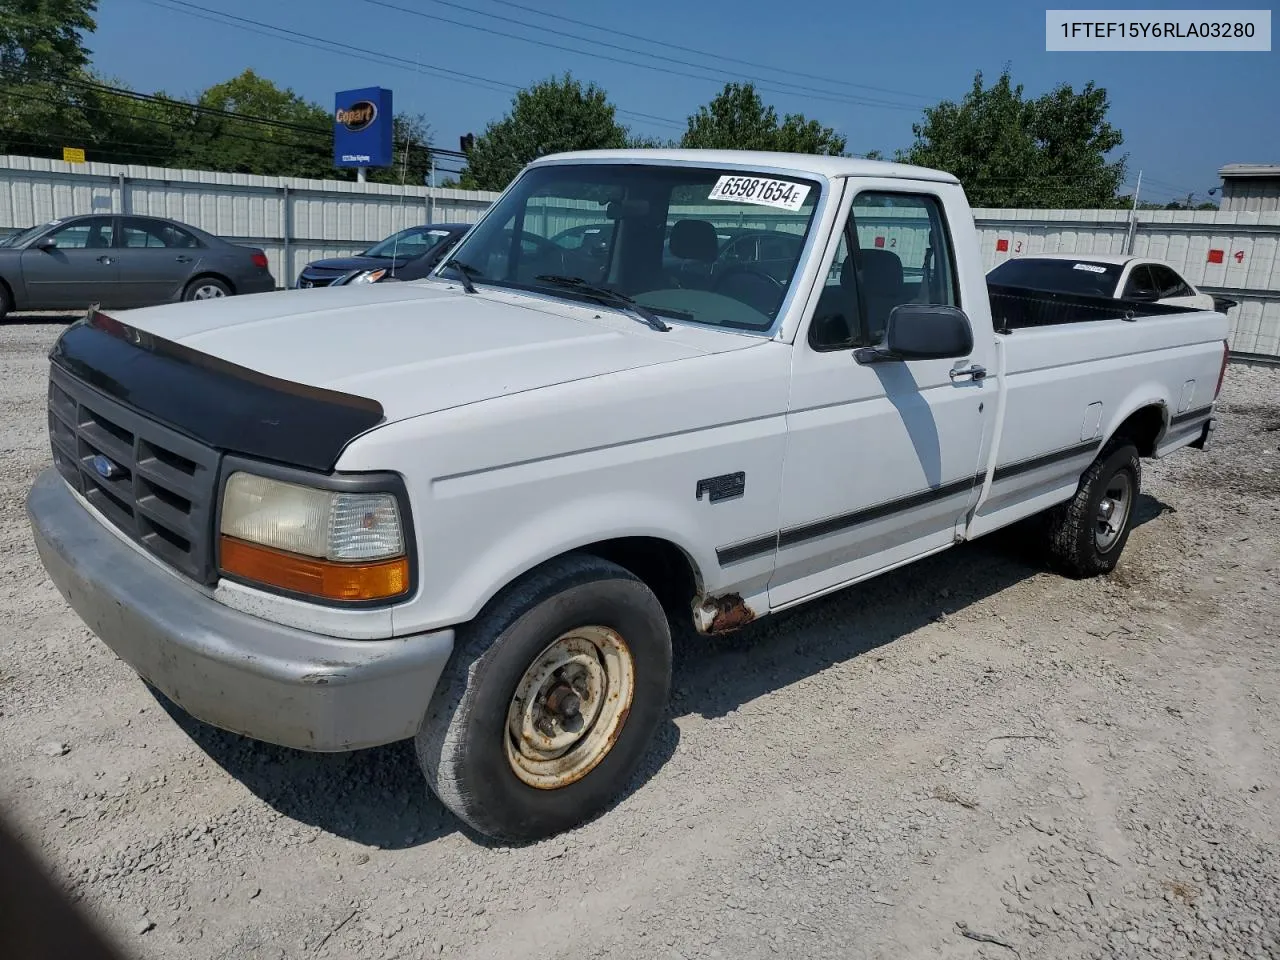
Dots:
pixel 968 757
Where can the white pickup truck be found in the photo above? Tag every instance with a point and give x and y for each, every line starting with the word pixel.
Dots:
pixel 465 508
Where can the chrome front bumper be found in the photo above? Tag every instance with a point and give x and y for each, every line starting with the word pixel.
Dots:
pixel 227 668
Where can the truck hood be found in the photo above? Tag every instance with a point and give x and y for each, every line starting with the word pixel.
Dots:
pixel 420 347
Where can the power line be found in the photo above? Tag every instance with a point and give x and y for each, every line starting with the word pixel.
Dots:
pixel 833 95
pixel 704 53
pixel 290 35
pixel 810 92
pixel 26 95
pixel 218 112
pixel 51 142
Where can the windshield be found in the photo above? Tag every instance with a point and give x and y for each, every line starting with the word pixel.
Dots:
pixel 662 235
pixel 407 243
pixel 1061 275
pixel 17 239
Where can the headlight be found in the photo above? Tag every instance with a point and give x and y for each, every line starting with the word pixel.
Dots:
pixel 336 545
pixel 366 276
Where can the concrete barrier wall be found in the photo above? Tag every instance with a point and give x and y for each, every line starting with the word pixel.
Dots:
pixel 1231 253
pixel 292 219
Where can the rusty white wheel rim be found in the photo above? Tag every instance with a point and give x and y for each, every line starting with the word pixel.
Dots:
pixel 569 707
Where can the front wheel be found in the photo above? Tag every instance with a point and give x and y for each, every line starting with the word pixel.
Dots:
pixel 550 700
pixel 1089 531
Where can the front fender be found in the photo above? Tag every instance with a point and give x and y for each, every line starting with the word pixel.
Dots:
pixel 509 553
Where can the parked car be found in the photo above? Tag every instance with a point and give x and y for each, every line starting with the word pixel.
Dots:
pixel 1102 275
pixel 123 261
pixel 471 521
pixel 407 255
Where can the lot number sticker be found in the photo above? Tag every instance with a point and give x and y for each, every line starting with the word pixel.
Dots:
pixel 1091 267
pixel 760 190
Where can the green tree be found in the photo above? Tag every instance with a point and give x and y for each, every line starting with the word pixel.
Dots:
pixel 737 119
pixel 43 39
pixel 1009 151
pixel 126 129
pixel 411 136
pixel 643 141
pixel 42 54
pixel 227 143
pixel 554 115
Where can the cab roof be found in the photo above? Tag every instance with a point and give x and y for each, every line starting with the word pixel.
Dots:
pixel 802 163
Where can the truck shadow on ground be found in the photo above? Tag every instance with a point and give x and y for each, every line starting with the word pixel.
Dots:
pixel 713 676
pixel 377 797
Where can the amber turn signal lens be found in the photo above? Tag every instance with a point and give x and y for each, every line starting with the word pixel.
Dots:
pixel 316 578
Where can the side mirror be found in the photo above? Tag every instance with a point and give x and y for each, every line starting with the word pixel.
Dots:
pixel 46 243
pixel 922 331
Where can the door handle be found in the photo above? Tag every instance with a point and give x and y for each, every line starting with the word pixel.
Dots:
pixel 975 371
pixel 183 259
pixel 104 259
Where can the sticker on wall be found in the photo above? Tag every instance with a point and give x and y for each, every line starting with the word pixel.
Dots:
pixel 1002 246
pixel 1215 256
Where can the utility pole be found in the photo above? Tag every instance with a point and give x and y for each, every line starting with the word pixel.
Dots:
pixel 1133 216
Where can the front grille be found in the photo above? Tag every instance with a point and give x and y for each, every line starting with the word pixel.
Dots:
pixel 154 484
pixel 317 280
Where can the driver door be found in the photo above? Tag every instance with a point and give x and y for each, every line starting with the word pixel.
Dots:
pixel 882 460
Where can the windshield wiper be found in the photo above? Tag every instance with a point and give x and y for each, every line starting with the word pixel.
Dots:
pixel 464 272
pixel 608 296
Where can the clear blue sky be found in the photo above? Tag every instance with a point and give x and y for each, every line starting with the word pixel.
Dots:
pixel 1183 115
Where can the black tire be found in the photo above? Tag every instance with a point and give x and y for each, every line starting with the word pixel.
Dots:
pixel 461 744
pixel 6 301
pixel 201 284
pixel 1074 527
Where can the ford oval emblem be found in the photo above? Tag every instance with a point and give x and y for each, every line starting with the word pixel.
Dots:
pixel 106 468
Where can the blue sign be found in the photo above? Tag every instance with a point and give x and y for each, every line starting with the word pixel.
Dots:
pixel 362 128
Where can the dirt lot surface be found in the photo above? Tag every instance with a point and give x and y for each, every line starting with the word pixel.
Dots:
pixel 968 757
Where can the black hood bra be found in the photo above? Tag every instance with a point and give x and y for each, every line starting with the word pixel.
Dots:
pixel 218 403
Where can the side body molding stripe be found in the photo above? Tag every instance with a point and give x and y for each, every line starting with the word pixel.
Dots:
pixel 1198 414
pixel 759 546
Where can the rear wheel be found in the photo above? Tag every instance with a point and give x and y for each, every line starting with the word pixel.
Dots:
pixel 1088 532
pixel 550 701
pixel 6 303
pixel 206 288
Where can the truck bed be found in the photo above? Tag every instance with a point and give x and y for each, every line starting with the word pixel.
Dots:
pixel 1015 308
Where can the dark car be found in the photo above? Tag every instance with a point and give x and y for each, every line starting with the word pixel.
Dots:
pixel 408 255
pixel 121 261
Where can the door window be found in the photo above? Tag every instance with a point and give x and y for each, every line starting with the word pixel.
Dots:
pixel 94 233
pixel 895 249
pixel 138 233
